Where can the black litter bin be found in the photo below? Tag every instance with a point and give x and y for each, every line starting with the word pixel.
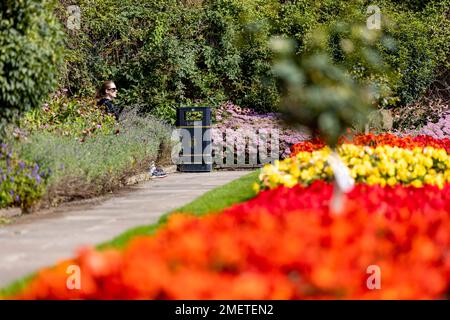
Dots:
pixel 194 124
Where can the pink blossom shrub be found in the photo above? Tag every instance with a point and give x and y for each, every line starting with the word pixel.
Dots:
pixel 267 131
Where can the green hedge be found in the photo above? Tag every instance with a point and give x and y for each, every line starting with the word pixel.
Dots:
pixel 422 37
pixel 166 53
pixel 30 52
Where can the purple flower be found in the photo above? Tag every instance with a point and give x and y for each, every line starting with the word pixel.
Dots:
pixel 440 129
pixel 35 169
pixel 235 123
pixel 22 165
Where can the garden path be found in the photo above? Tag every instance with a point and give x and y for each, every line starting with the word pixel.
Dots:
pixel 39 240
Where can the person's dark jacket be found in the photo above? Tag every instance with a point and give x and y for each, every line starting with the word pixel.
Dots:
pixel 110 107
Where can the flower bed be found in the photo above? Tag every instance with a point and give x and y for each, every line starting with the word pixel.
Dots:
pixel 383 165
pixel 286 243
pixel 406 142
pixel 22 183
pixel 87 151
pixel 236 123
pixel 383 160
pixel 248 252
pixel 63 116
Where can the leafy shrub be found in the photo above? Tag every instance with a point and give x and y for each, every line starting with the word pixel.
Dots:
pixel 422 37
pixel 168 53
pixel 22 183
pixel 234 123
pixel 30 38
pixel 437 129
pixel 416 5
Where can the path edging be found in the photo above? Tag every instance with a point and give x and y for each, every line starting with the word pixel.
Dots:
pixel 14 212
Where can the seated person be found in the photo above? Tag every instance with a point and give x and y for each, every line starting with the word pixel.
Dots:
pixel 106 94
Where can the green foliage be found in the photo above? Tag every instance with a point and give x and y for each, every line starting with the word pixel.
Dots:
pixel 163 54
pixel 22 183
pixel 422 37
pixel 30 42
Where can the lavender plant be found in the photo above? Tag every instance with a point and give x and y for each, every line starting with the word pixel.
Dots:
pixel 22 183
pixel 98 164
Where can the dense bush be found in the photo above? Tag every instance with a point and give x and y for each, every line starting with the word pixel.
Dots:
pixel 166 53
pixel 438 130
pixel 30 42
pixel 72 149
pixel 422 45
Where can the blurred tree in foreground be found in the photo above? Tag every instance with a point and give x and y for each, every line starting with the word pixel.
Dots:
pixel 322 94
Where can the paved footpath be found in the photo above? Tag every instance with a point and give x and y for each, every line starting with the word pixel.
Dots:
pixel 40 240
